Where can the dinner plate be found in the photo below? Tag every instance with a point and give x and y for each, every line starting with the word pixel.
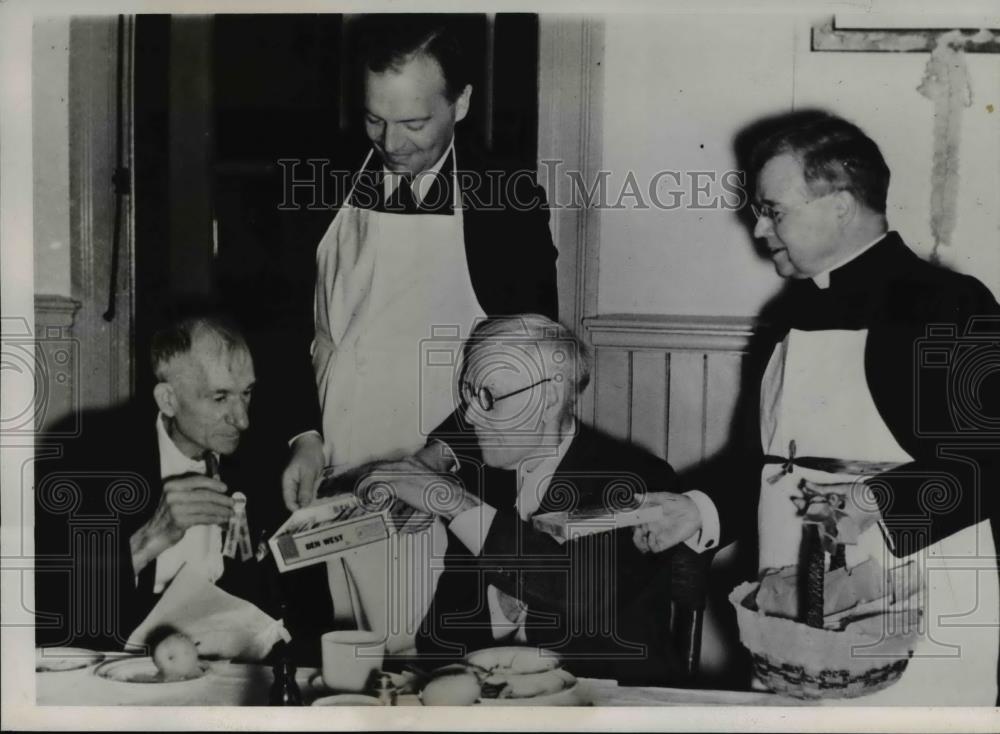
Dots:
pixel 61 659
pixel 347 699
pixel 142 670
pixel 572 696
pixel 514 659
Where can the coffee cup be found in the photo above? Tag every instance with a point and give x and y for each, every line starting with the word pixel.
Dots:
pixel 349 657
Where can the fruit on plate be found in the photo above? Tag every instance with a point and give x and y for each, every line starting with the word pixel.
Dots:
pixel 529 685
pixel 176 657
pixel 514 660
pixel 451 686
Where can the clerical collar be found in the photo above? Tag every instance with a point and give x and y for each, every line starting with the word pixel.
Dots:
pixel 422 182
pixel 822 280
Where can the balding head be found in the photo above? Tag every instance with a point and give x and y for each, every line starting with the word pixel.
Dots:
pixel 520 380
pixel 206 376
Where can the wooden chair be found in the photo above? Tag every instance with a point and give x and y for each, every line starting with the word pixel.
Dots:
pixel 688 593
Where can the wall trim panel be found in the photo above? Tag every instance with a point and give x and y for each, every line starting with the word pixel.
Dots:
pixel 670 333
pixel 682 412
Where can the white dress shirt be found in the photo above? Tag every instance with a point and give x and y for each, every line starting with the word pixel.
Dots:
pixel 421 182
pixel 533 479
pixel 201 545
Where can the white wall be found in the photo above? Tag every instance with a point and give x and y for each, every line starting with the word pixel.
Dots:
pixel 50 151
pixel 678 87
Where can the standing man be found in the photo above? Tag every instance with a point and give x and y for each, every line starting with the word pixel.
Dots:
pixel 430 236
pixel 883 390
pixel 429 239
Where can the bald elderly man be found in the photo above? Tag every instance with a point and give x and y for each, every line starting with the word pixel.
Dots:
pixel 599 601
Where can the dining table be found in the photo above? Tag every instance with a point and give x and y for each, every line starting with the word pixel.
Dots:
pixel 229 683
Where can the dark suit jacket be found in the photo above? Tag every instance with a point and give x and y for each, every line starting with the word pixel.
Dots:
pixel 925 388
pixel 508 247
pixel 597 600
pixel 93 492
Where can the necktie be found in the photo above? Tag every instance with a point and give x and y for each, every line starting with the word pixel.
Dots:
pixel 402 201
pixel 211 465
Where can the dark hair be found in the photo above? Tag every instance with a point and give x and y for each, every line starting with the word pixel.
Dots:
pixel 833 151
pixel 390 41
pixel 176 339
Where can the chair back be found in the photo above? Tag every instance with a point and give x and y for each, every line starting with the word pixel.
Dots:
pixel 688 593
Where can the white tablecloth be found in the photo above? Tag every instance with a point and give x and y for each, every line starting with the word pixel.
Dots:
pixel 237 684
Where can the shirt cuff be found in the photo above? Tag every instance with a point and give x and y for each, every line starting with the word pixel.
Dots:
pixel 708 536
pixel 471 526
pixel 297 436
pixel 449 454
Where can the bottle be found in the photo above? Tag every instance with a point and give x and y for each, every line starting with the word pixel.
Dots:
pixel 284 691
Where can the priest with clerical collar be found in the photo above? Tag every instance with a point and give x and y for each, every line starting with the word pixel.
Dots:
pixel 865 397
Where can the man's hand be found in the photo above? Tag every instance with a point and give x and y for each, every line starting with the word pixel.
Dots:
pixel 302 475
pixel 412 481
pixel 680 521
pixel 186 501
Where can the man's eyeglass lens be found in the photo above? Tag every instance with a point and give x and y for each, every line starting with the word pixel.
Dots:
pixel 486 400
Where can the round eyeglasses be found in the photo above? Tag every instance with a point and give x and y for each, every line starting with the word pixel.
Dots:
pixel 486 399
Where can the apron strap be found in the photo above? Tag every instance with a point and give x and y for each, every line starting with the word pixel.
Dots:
pixel 830 466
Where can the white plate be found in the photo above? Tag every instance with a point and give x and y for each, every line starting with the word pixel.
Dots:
pixel 530 659
pixel 60 659
pixel 571 696
pixel 141 670
pixel 347 699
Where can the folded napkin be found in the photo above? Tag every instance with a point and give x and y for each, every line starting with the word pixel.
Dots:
pixel 220 624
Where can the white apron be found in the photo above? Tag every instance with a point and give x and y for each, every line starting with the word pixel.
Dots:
pixel 814 393
pixel 393 302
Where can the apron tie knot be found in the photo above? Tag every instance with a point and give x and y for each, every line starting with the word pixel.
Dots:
pixel 787 466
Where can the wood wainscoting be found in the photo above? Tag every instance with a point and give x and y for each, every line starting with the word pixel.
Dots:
pixel 671 384
pixel 668 383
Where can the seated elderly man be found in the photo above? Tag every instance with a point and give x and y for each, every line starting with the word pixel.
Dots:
pixel 596 600
pixel 140 493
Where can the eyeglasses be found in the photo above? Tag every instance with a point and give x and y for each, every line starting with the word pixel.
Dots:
pixel 486 399
pixel 768 210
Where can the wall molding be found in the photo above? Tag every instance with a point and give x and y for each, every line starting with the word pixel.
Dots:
pixel 671 332
pixel 54 310
pixel 570 123
pixel 106 363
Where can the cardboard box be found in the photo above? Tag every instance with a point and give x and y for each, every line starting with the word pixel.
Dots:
pixel 565 526
pixel 327 528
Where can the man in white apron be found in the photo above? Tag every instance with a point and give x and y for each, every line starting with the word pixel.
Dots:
pixel 407 267
pixel 850 404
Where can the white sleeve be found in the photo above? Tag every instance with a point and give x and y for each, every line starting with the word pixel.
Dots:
pixel 708 536
pixel 450 453
pixel 297 436
pixel 471 526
